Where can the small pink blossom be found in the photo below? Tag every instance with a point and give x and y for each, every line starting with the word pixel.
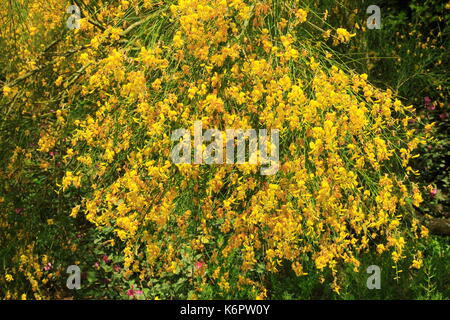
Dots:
pixel 48 266
pixel 105 258
pixel 428 104
pixel 131 292
pixel 433 192
pixel 199 264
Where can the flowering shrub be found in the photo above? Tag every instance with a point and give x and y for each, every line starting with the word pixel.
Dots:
pixel 94 109
pixel 409 54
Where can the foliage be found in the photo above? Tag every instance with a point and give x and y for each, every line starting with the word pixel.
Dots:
pixel 87 179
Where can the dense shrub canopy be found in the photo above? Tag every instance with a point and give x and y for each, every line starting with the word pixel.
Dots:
pixel 95 108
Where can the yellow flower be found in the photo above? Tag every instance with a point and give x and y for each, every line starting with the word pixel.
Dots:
pixel 115 33
pixel 75 211
pixel 262 295
pixel 6 91
pixel 301 15
pixel 417 264
pixel 156 84
pixel 9 277
pixel 343 35
pixel 381 248
pixel 417 198
pixel 23 259
pixel 59 81
pixel 423 232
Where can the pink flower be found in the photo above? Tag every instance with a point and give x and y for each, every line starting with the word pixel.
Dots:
pixel 19 210
pixel 428 104
pixel 443 116
pixel 199 264
pixel 96 265
pixel 48 266
pixel 105 258
pixel 433 192
pixel 117 268
pixel 131 292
